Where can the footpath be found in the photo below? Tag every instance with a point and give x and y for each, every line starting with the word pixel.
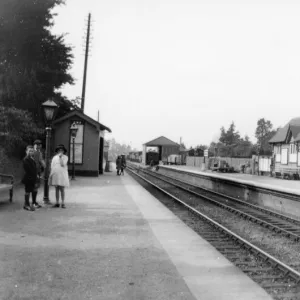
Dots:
pixel 114 241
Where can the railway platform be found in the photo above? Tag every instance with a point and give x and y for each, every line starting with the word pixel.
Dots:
pixel 114 241
pixel 279 195
pixel 267 182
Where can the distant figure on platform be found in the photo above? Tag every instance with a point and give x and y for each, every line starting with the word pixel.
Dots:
pixel 272 166
pixel 40 166
pixel 30 177
pixel 59 176
pixel 123 164
pixel 118 164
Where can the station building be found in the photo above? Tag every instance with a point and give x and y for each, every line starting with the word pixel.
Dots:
pixel 286 150
pixel 89 142
pixel 164 147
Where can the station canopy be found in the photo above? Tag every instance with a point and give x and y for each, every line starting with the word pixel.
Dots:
pixel 161 141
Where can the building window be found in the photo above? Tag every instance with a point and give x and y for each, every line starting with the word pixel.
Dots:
pixel 293 148
pixel 78 145
pixel 277 149
pixel 284 156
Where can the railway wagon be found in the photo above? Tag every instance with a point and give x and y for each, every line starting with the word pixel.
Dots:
pixel 174 159
pixel 152 156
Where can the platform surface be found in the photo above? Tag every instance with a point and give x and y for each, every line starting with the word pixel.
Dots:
pixel 114 241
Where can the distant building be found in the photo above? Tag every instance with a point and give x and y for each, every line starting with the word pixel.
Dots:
pixel 165 148
pixel 286 153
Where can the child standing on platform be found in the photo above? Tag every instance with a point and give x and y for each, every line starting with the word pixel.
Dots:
pixel 59 176
pixel 30 177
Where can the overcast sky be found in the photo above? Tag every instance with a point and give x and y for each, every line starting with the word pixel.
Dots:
pixel 184 68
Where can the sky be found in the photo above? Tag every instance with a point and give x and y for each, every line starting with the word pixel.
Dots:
pixel 185 68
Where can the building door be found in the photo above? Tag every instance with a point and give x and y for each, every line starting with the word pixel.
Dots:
pixel 159 152
pixel 101 147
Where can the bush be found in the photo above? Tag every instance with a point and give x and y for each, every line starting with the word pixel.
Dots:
pixel 17 130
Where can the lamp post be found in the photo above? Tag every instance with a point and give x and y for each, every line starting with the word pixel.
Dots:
pixel 73 130
pixel 49 108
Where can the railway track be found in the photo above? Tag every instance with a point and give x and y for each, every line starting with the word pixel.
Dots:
pixel 276 222
pixel 279 279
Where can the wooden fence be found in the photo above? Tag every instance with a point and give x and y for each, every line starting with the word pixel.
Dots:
pixel 236 163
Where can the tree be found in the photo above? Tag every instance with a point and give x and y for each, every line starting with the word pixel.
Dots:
pixel 116 149
pixel 197 151
pixel 263 133
pixel 17 130
pixel 229 137
pixel 247 139
pixel 34 63
pixel 231 144
pixel 262 129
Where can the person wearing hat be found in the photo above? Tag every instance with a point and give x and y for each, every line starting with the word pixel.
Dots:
pixel 40 165
pixel 59 176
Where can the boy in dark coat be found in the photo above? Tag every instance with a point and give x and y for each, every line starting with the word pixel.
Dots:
pixel 30 177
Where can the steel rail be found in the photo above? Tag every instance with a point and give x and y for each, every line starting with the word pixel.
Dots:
pixel 288 271
pixel 265 210
pixel 260 221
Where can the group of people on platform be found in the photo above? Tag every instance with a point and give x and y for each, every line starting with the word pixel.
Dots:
pixel 120 164
pixel 34 165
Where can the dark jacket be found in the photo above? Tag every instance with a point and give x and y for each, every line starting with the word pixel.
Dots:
pixel 30 169
pixel 40 164
pixel 118 163
pixel 123 161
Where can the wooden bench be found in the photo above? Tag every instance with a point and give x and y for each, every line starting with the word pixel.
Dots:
pixel 7 184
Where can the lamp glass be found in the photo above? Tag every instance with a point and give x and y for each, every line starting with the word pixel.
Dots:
pixel 49 109
pixel 49 113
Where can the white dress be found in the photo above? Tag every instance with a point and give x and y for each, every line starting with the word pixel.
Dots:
pixel 59 171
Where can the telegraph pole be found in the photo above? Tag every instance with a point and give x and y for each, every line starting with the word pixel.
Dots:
pixel 87 45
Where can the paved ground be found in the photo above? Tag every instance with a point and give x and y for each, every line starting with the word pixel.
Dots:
pixel 100 247
pixel 114 241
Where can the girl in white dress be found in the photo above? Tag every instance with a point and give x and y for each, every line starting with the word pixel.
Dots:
pixel 59 176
